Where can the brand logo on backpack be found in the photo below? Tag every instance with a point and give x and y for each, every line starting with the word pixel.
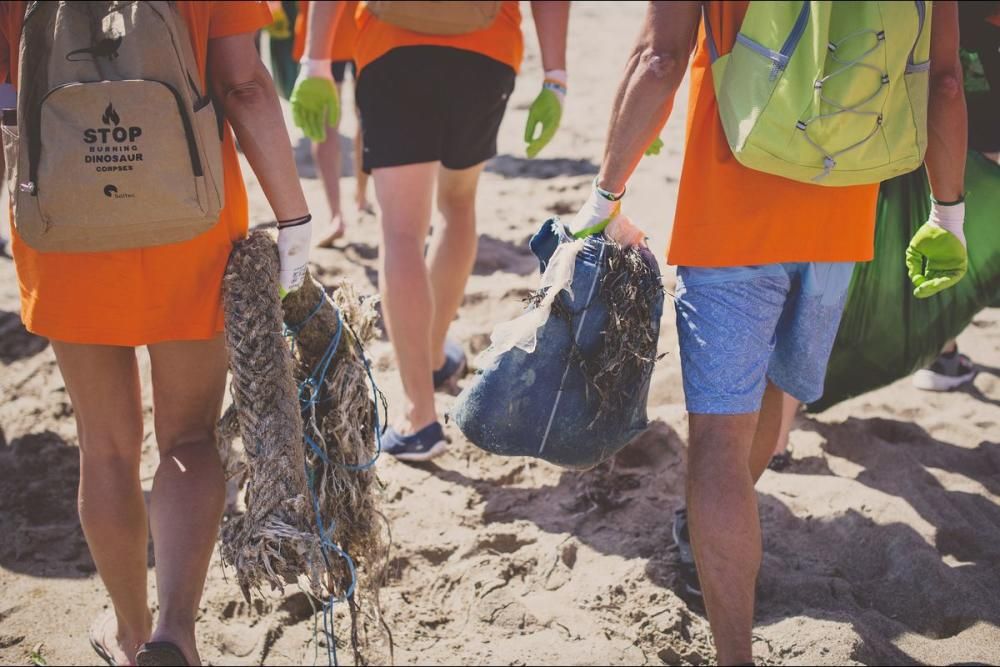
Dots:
pixel 112 192
pixel 112 147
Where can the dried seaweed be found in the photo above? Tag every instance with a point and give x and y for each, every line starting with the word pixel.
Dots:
pixel 630 288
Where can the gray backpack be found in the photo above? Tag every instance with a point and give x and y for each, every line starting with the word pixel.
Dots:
pixel 114 144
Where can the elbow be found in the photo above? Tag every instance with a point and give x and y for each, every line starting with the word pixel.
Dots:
pixel 946 83
pixel 661 65
pixel 247 92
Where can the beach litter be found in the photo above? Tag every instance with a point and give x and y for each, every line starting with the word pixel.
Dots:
pixel 568 380
pixel 309 416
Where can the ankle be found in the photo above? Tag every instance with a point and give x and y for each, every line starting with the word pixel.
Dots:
pixel 418 421
pixel 180 633
pixel 131 636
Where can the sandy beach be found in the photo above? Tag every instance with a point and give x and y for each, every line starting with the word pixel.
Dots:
pixel 881 541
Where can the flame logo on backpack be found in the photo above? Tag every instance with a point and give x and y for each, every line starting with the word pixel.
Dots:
pixel 110 116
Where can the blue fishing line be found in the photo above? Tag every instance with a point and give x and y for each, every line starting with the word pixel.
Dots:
pixel 310 391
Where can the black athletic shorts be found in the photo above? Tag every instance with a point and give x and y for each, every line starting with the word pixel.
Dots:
pixel 339 69
pixel 432 103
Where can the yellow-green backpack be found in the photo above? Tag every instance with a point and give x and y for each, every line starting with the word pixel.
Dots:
pixel 833 93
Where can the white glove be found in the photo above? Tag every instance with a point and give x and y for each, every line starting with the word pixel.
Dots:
pixel 602 214
pixel 294 240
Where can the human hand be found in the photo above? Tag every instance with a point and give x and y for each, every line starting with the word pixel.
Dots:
pixel 545 112
pixel 294 241
pixel 936 258
pixel 314 99
pixel 280 27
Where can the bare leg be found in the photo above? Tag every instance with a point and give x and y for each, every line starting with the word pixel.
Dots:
pixel 725 527
pixel 326 156
pixel 950 347
pixel 789 408
pixel 360 177
pixel 103 384
pixel 189 379
pixel 404 195
pixel 453 250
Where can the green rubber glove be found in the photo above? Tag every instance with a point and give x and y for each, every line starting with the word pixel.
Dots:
pixel 314 99
pixel 655 147
pixel 937 258
pixel 545 113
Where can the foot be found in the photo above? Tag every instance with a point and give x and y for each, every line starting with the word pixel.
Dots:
pixel 169 647
pixel 364 206
pixel 949 371
pixel 114 649
pixel 453 369
pixel 424 445
pixel 337 230
pixel 689 573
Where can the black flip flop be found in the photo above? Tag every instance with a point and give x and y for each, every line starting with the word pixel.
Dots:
pixel 160 654
pixel 95 634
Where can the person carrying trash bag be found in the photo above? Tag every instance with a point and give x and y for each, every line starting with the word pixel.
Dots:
pixel 796 111
pixel 568 381
pixel 433 83
pixel 127 201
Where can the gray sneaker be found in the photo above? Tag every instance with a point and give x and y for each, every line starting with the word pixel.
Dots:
pixel 689 573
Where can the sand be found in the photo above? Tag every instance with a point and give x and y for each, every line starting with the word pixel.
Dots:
pixel 882 541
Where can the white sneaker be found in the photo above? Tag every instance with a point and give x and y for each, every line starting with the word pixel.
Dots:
pixel 946 373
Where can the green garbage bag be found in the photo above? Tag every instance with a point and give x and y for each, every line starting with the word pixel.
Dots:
pixel 283 68
pixel 887 333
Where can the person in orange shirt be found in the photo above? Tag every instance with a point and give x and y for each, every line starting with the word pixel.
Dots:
pixel 97 307
pixel 764 265
pixel 326 154
pixel 431 105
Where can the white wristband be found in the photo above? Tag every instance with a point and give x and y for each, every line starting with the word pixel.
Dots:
pixel 950 218
pixel 555 80
pixel 316 69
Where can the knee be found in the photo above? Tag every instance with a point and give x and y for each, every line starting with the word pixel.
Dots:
pixel 116 448
pixel 719 445
pixel 457 206
pixel 175 439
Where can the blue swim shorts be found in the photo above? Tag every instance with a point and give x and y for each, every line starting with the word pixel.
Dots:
pixel 739 327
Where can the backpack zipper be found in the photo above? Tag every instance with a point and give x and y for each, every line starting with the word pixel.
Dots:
pixel 792 41
pixel 921 17
pixel 36 130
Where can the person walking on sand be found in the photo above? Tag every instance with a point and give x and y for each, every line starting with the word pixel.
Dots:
pixel 96 307
pixel 431 105
pixel 326 153
pixel 764 261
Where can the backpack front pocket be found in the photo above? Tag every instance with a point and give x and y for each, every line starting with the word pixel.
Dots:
pixel 11 139
pixel 118 166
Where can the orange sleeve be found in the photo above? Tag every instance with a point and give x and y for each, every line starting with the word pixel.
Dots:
pixel 345 33
pixel 299 45
pixel 238 17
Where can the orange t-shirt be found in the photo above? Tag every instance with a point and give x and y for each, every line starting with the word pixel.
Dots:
pixel 730 215
pixel 501 41
pixel 146 295
pixel 343 39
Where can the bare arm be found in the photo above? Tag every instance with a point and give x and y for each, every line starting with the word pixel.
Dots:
pixel 947 119
pixel 552 23
pixel 245 91
pixel 646 94
pixel 321 26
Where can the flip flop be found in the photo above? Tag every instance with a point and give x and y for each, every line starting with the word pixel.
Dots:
pixel 96 636
pixel 160 654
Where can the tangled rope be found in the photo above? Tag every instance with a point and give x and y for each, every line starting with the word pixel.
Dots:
pixel 325 402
